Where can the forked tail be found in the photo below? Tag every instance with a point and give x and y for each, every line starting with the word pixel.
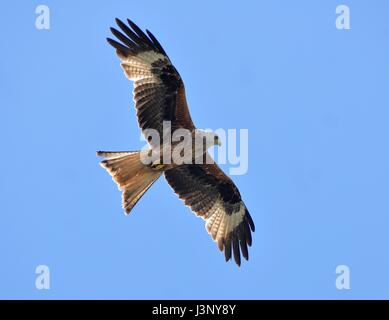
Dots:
pixel 132 176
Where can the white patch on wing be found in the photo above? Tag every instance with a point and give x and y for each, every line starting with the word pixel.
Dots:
pixel 151 56
pixel 136 73
pixel 143 58
pixel 147 80
pixel 219 224
pixel 139 67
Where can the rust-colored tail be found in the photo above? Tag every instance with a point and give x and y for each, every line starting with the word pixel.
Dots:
pixel 132 176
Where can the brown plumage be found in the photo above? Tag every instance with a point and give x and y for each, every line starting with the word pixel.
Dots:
pixel 159 96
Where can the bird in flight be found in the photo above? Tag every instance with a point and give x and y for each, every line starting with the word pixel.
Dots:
pixel 159 97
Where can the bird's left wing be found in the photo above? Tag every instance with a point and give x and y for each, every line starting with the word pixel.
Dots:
pixel 213 196
pixel 159 92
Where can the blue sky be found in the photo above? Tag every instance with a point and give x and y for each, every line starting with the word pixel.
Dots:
pixel 314 99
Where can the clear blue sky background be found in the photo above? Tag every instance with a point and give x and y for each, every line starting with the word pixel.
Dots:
pixel 315 101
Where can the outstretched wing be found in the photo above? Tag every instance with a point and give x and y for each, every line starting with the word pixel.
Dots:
pixel 159 92
pixel 213 196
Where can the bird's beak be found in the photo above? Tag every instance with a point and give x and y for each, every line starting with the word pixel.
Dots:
pixel 219 143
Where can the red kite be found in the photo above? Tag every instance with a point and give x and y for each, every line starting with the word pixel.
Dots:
pixel 159 96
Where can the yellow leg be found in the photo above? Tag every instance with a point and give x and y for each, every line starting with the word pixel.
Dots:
pixel 157 165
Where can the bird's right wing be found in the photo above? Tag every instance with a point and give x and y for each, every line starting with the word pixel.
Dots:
pixel 159 92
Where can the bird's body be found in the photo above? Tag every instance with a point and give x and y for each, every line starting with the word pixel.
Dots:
pixel 159 96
